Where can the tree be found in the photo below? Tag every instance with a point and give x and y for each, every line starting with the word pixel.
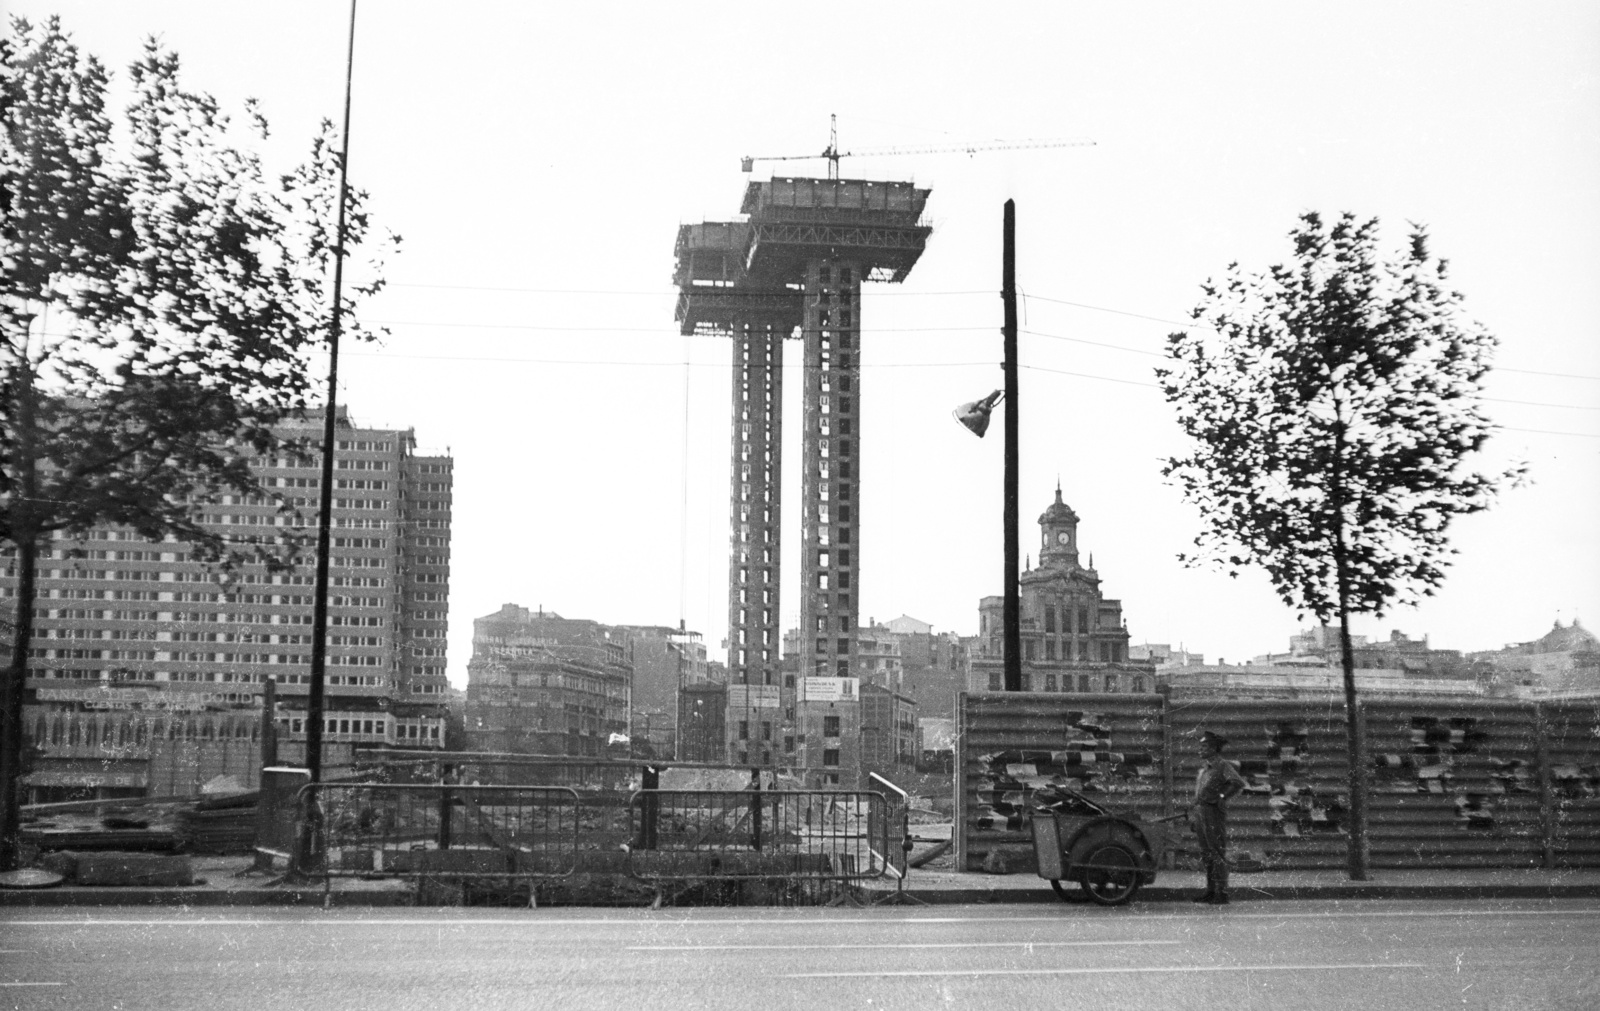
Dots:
pixel 160 303
pixel 1334 409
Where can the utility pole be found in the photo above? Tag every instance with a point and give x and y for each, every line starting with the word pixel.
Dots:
pixel 319 613
pixel 1012 615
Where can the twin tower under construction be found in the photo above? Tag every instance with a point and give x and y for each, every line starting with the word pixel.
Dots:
pixel 793 269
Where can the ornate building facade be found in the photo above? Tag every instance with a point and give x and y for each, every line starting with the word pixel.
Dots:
pixel 1073 638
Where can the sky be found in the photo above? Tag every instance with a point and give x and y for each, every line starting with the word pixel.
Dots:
pixel 537 160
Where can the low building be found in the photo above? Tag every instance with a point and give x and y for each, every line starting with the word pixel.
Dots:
pixel 1562 663
pixel 1296 680
pixel 1398 652
pixel 702 723
pixel 888 731
pixel 1163 655
pixel 541 684
pixel 665 659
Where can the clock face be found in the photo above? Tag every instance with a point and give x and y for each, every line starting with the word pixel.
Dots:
pixel 1064 538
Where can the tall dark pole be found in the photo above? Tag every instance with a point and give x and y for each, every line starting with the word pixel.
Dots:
pixel 319 613
pixel 1013 601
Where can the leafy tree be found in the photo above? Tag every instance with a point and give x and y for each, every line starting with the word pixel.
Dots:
pixel 1334 407
pixel 160 301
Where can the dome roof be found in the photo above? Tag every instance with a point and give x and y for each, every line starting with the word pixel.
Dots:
pixel 1059 511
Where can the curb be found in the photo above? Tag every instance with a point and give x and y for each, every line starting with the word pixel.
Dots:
pixel 1288 893
pixel 186 898
pixel 317 898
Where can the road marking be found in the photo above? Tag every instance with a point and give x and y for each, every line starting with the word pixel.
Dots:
pixel 854 947
pixel 1086 972
pixel 533 919
pixel 33 984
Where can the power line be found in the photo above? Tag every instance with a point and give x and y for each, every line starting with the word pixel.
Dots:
pixel 662 330
pixel 1098 344
pixel 1196 323
pixel 676 363
pixel 662 292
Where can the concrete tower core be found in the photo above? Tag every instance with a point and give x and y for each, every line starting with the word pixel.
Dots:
pixel 796 263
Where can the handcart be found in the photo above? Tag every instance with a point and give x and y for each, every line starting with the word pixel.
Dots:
pixel 1110 855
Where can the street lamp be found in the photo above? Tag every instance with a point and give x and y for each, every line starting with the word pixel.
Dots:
pixel 975 417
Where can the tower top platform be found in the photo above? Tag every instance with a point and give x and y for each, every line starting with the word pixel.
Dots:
pixel 795 221
pixel 802 199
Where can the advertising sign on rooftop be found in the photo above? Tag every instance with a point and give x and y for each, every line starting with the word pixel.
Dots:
pixel 815 689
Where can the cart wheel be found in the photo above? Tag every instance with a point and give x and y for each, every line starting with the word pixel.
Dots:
pixel 1060 890
pixel 1110 874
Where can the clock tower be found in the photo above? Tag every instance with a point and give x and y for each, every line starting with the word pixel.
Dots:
pixel 1058 529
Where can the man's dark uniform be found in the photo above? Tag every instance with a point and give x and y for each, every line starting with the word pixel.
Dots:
pixel 1216 782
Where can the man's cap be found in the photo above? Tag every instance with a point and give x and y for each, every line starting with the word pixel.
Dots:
pixel 1213 740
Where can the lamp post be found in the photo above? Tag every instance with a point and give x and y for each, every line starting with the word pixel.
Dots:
pixel 975 416
pixel 319 612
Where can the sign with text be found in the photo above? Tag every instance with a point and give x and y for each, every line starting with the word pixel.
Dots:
pixel 753 697
pixel 137 698
pixel 814 689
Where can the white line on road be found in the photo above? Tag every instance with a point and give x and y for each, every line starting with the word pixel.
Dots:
pixel 533 919
pixel 33 984
pixel 857 947
pixel 1085 972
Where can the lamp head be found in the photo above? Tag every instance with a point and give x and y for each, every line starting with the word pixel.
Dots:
pixel 975 416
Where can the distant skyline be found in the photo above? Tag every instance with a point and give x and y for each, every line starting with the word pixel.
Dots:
pixel 537 160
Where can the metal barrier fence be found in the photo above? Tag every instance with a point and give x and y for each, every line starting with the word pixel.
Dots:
pixel 441 830
pixel 1453 782
pixel 816 835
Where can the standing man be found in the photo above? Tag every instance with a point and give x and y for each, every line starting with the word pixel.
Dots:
pixel 1217 781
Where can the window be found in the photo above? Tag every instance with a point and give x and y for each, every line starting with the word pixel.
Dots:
pixel 766 730
pixel 1083 683
pixel 788 743
pixel 995 683
pixel 1111 682
pixel 830 726
pixel 1049 647
pixel 1049 619
pixel 744 730
pixel 1049 682
pixel 830 756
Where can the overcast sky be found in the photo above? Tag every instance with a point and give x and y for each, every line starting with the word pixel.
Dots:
pixel 538 158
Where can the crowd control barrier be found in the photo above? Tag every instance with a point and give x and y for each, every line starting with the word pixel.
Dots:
pixel 817 835
pixel 440 830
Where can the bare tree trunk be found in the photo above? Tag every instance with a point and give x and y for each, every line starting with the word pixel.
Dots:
pixel 24 528
pixel 1360 855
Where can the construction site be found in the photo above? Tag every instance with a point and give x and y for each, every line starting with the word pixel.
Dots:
pixel 793 269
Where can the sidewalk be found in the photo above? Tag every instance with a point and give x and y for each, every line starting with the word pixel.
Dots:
pixel 220 883
pixel 945 886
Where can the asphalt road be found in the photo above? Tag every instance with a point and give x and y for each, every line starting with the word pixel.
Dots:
pixel 1283 955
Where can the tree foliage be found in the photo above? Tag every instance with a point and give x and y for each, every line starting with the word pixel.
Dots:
pixel 1334 409
pixel 161 298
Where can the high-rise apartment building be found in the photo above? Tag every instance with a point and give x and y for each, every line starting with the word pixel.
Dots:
pixel 126 625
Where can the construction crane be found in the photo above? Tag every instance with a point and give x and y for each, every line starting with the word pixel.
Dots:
pixel 833 154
